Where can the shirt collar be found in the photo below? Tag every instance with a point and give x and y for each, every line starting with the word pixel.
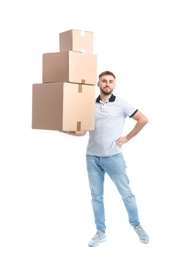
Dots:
pixel 111 99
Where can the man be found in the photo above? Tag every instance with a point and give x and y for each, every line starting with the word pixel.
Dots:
pixel 104 155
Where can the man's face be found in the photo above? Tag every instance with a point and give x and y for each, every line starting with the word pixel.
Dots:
pixel 106 84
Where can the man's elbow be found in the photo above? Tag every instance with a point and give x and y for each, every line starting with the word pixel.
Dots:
pixel 145 121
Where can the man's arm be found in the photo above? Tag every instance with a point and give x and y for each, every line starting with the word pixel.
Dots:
pixel 74 133
pixel 141 122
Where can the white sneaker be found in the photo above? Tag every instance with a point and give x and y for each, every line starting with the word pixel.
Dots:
pixel 143 237
pixel 97 239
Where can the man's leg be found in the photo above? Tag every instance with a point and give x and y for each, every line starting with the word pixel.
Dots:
pixel 96 183
pixel 116 168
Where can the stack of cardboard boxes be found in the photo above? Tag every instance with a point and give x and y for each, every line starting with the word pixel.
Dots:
pixel 65 100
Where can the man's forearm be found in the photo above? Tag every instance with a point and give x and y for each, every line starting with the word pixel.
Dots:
pixel 137 128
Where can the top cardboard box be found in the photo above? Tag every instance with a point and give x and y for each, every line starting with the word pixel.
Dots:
pixel 76 40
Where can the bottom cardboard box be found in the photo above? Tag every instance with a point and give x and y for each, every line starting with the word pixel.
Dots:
pixel 63 106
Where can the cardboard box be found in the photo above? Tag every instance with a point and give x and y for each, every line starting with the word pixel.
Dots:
pixel 76 40
pixel 70 66
pixel 63 106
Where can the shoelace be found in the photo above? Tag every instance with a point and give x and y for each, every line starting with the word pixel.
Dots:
pixel 140 231
pixel 97 234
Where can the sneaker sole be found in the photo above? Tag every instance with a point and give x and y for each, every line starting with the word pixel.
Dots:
pixel 103 240
pixel 144 242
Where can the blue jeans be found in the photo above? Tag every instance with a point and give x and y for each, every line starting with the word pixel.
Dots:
pixel 115 167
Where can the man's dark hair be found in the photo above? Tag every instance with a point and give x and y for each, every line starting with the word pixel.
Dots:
pixel 107 72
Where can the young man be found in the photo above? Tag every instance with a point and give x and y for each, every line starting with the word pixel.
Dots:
pixel 104 155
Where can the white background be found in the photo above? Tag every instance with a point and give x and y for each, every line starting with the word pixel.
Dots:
pixel 45 208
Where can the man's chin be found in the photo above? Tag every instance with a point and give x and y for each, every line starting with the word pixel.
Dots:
pixel 106 93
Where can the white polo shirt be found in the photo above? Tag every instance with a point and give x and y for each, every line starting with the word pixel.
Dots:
pixel 109 123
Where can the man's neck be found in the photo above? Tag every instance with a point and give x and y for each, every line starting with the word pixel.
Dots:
pixel 104 98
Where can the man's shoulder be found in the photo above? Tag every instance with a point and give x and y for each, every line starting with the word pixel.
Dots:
pixel 121 100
